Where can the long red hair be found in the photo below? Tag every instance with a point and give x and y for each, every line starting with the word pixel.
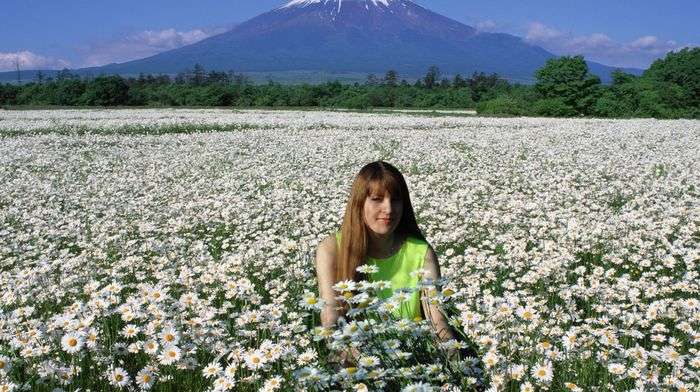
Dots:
pixel 376 177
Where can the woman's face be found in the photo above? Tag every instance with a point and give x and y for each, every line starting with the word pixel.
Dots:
pixel 382 212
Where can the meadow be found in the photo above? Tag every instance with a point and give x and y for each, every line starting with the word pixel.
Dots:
pixel 172 249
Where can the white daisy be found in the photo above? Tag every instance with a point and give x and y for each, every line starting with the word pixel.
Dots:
pixel 527 313
pixel 5 365
pixel 572 387
pixel 230 370
pixel 170 354
pixel 273 383
pixel 306 357
pixel 7 386
pixel 150 347
pixel 418 387
pixel 254 360
pixel 669 354
pixel 91 338
pixel 130 330
pixel 118 377
pixel 311 301
pixel 369 361
pixel 616 369
pixel 72 342
pixel 157 294
pixel 368 269
pixel 490 359
pixel 212 370
pixel 169 335
pixel 543 372
pixel 382 284
pixel 344 285
pixel 360 387
pixel 224 384
pixel 145 379
pixel 517 372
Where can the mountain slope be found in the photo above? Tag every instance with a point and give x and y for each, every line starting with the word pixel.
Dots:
pixel 351 36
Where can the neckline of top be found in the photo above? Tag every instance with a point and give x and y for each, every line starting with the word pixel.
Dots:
pixel 403 244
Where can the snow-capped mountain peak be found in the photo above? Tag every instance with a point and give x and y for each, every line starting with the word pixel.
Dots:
pixel 352 36
pixel 304 3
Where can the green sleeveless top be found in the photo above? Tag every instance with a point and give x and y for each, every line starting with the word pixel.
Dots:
pixel 396 269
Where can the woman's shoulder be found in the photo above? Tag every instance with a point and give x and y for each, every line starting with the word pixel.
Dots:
pixel 329 244
pixel 420 246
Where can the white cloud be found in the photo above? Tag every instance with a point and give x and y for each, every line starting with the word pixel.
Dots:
pixel 29 60
pixel 538 32
pixel 598 47
pixel 143 44
pixel 486 25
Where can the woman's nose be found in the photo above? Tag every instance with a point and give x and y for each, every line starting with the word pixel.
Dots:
pixel 386 205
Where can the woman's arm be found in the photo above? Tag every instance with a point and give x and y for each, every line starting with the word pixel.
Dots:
pixel 432 312
pixel 325 274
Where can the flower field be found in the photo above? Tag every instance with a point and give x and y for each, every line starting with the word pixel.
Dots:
pixel 172 250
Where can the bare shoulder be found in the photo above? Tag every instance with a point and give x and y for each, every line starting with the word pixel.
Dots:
pixel 326 252
pixel 430 256
pixel 328 245
pixel 431 264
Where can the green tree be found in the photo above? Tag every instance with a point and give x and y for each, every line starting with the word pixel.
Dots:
pixel 553 107
pixel 371 80
pixel 679 69
pixel 198 76
pixel 106 91
pixel 459 82
pixel 502 105
pixel 390 79
pixel 566 80
pixel 431 77
pixel 68 92
pixel 485 86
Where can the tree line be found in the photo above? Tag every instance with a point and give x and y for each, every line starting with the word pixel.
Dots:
pixel 564 87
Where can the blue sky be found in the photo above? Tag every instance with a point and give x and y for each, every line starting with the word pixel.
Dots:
pixel 77 33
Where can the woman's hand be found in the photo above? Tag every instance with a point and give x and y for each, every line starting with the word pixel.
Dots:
pixel 349 358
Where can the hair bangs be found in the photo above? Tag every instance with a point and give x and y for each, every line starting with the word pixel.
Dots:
pixel 383 183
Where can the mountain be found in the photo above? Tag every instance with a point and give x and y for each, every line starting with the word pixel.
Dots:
pixel 353 36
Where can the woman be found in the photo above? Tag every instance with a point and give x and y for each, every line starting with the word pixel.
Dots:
pixel 379 228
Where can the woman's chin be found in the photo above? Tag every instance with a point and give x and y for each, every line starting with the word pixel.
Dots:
pixel 382 230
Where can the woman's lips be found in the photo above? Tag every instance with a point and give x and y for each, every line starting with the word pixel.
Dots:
pixel 386 221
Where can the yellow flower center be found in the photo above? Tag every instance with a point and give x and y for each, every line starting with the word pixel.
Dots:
pixel 72 342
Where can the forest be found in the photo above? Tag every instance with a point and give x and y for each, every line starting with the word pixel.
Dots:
pixel 563 87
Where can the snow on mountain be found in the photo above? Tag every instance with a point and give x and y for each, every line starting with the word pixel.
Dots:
pixel 304 3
